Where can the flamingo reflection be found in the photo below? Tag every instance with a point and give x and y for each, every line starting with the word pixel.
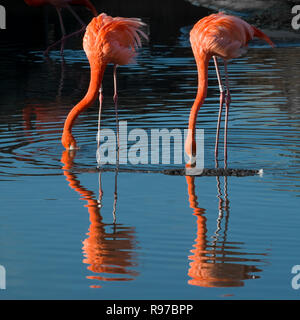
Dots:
pixel 43 114
pixel 109 248
pixel 217 263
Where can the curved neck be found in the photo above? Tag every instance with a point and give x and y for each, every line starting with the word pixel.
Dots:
pixel 202 61
pixel 97 72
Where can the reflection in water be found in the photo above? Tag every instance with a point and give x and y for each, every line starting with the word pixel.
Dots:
pixel 109 252
pixel 216 263
pixel 44 113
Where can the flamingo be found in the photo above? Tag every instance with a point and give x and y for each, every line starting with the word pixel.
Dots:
pixel 59 4
pixel 224 36
pixel 106 40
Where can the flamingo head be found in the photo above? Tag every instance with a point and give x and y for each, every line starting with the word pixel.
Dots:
pixel 68 141
pixel 190 149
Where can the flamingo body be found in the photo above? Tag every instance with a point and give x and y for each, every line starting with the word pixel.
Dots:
pixel 112 40
pixel 106 40
pixel 224 36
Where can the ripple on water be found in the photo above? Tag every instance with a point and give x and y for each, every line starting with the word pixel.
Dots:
pixel 172 233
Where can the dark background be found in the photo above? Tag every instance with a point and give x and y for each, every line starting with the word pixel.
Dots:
pixel 33 27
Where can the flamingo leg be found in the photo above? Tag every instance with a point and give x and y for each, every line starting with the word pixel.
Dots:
pixel 222 96
pixel 227 104
pixel 64 35
pixel 63 30
pixel 46 52
pixel 99 122
pixel 99 114
pixel 115 98
pixel 76 16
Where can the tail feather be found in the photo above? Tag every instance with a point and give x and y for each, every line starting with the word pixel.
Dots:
pixel 259 34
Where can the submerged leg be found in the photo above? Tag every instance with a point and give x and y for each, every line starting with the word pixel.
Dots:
pixel 116 107
pixel 222 96
pixel 227 104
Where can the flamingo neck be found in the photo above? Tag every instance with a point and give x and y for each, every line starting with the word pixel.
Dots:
pixel 202 61
pixel 96 76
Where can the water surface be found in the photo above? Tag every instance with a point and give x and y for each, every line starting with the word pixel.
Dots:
pixel 69 232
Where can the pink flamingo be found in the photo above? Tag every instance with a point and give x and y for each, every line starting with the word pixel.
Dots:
pixel 226 37
pixel 106 40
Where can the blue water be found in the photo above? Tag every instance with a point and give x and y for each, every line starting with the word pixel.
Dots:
pixel 60 239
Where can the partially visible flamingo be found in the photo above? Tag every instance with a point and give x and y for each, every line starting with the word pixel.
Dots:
pixel 226 37
pixel 59 4
pixel 106 40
